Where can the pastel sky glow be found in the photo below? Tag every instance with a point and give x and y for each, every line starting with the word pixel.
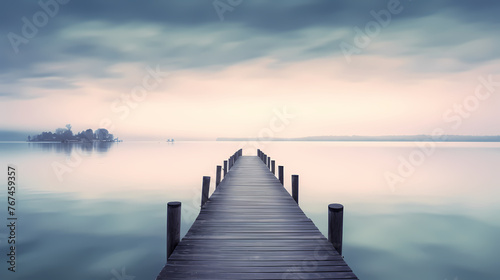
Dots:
pixel 433 64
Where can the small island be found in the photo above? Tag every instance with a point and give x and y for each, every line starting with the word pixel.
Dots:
pixel 65 135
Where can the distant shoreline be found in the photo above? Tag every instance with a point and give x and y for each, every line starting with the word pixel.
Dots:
pixel 409 138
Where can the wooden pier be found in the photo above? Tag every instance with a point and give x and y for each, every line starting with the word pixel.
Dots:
pixel 252 228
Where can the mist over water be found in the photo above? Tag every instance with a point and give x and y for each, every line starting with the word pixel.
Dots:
pixel 89 211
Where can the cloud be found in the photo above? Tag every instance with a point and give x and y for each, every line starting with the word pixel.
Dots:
pixel 100 49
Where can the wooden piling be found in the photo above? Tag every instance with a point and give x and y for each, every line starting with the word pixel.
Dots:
pixel 336 225
pixel 273 167
pixel 173 226
pixel 204 190
pixel 225 168
pixel 281 173
pixel 217 175
pixel 295 188
pixel 269 162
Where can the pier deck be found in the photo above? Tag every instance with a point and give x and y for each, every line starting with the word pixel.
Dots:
pixel 251 228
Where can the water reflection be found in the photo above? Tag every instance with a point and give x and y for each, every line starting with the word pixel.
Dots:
pixel 68 148
pixel 109 211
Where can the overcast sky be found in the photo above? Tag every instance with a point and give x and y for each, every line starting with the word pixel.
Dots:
pixel 247 68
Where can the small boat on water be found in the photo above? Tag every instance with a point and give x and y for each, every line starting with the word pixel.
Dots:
pixel 170 140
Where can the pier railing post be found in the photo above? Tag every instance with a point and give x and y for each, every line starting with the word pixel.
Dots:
pixel 336 225
pixel 269 162
pixel 281 173
pixel 173 226
pixel 225 168
pixel 273 167
pixel 217 175
pixel 295 188
pixel 204 190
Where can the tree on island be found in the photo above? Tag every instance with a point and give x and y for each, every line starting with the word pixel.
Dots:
pixel 66 135
pixel 103 134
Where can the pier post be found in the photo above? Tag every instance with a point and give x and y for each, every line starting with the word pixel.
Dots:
pixel 173 226
pixel 225 168
pixel 336 225
pixel 204 190
pixel 217 175
pixel 269 162
pixel 273 167
pixel 295 188
pixel 281 172
pixel 264 159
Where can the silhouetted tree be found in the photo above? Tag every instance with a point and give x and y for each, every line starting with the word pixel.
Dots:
pixel 89 134
pixel 101 134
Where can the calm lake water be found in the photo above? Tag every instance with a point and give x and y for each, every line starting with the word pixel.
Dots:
pixel 102 214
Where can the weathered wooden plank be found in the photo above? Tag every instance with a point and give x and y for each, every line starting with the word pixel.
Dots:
pixel 251 228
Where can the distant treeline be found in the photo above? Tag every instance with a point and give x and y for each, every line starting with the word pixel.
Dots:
pixel 443 138
pixel 66 135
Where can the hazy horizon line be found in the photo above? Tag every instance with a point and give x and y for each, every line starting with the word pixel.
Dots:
pixel 16 135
